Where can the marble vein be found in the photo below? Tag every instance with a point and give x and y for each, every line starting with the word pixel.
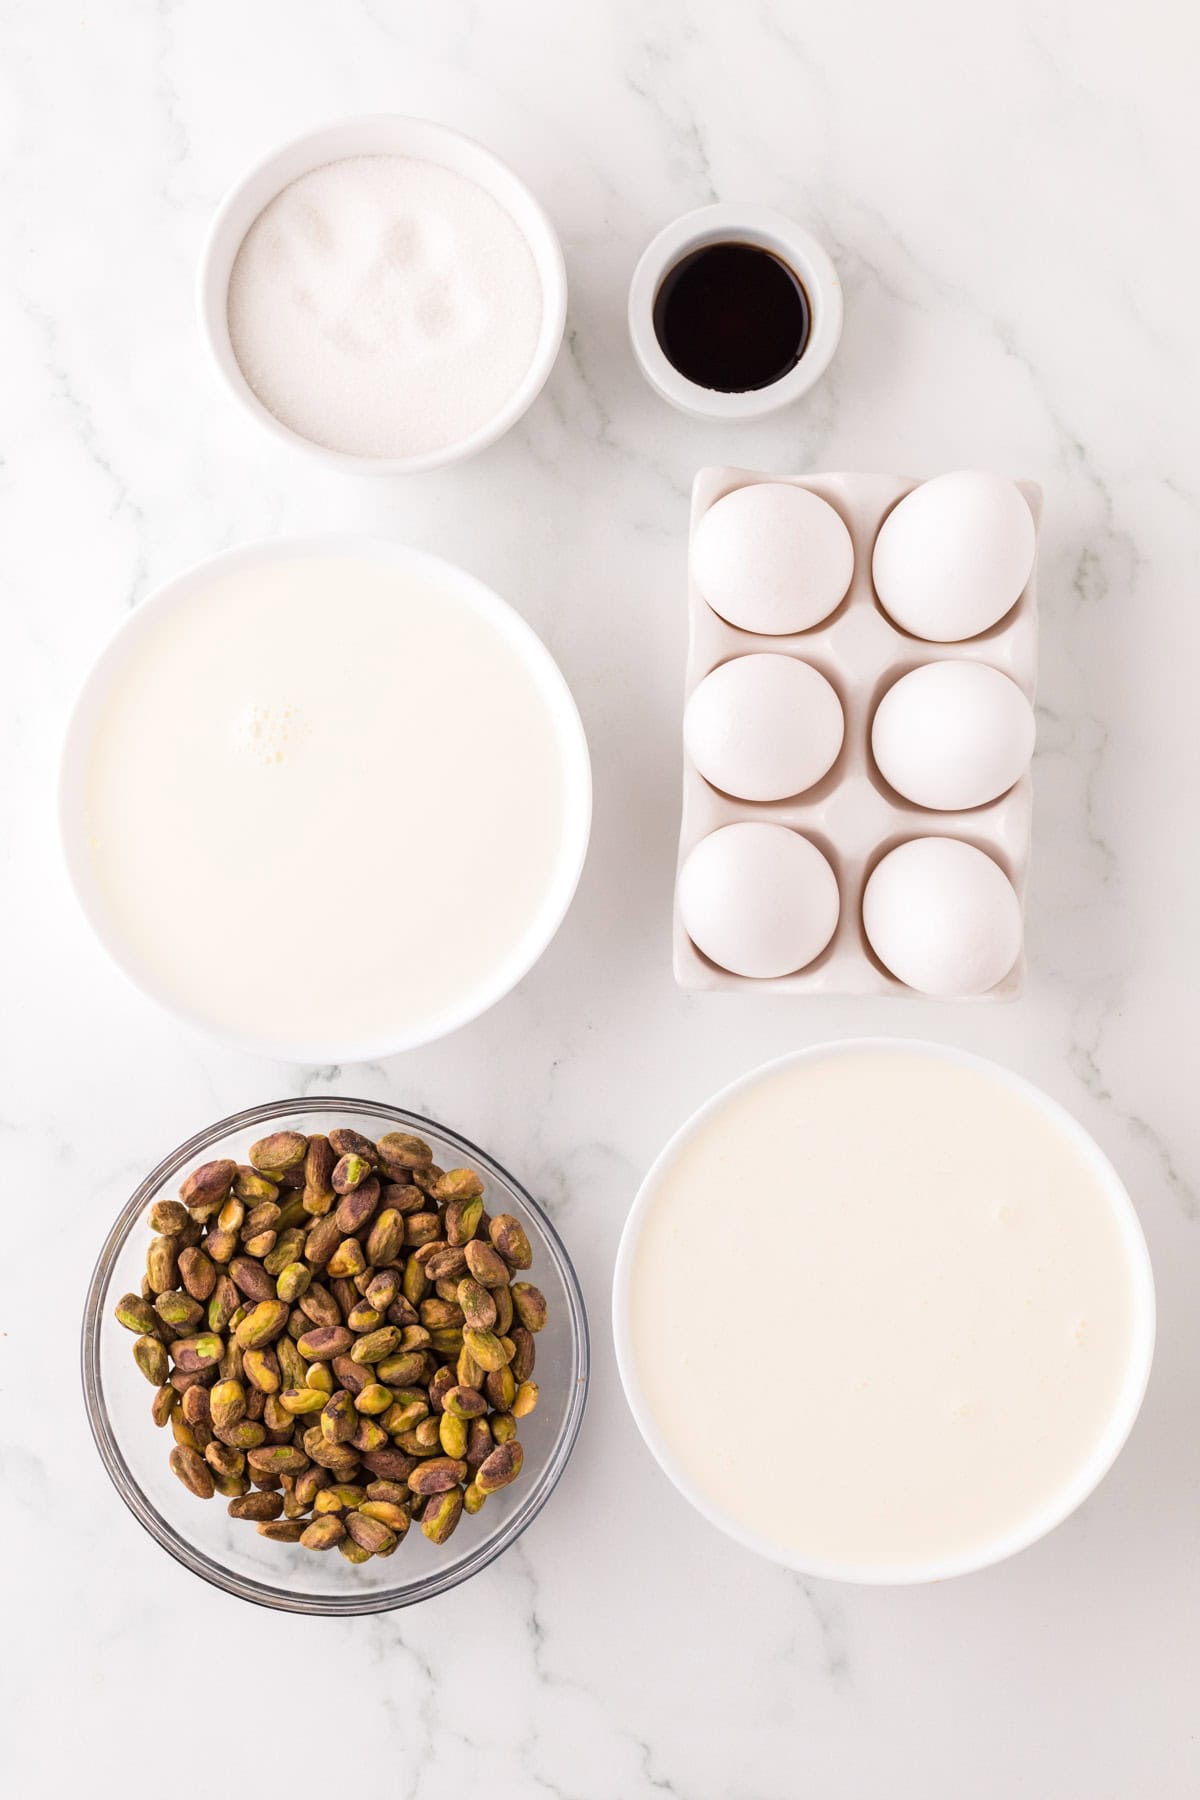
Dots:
pixel 1007 201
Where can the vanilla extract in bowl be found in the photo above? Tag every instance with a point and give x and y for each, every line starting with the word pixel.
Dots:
pixel 732 317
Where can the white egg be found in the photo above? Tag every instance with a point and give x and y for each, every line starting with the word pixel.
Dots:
pixel 943 917
pixel 953 735
pixel 758 900
pixel 772 558
pixel 954 555
pixel 764 727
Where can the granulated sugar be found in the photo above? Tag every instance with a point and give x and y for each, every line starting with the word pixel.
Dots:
pixel 384 306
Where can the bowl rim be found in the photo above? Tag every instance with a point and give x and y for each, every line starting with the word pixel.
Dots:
pixel 767 229
pixel 105 1439
pixel 1121 1420
pixel 180 590
pixel 334 141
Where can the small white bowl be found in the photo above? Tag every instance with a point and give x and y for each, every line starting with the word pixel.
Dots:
pixel 767 230
pixel 380 134
pixel 572 747
pixel 1086 1478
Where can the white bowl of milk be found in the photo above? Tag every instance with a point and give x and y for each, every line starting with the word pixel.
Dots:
pixel 325 798
pixel 883 1312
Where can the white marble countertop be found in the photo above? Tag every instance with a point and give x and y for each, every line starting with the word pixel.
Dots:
pixel 1008 193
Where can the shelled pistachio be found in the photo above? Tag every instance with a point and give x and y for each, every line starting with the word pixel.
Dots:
pixel 337 1340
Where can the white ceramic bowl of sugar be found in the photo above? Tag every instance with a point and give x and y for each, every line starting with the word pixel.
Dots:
pixel 390 135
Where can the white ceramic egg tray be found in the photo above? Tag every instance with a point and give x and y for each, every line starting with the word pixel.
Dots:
pixel 852 814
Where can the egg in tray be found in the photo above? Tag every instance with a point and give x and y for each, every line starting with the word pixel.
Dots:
pixel 858 734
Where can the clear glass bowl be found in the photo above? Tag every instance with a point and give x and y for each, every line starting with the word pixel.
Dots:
pixel 229 1552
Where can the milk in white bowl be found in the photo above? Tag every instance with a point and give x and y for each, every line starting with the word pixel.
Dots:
pixel 326 798
pixel 884 1312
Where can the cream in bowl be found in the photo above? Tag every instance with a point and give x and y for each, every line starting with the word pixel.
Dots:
pixel 384 293
pixel 327 799
pixel 883 1312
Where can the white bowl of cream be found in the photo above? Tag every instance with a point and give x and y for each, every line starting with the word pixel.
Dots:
pixel 325 798
pixel 384 294
pixel 883 1312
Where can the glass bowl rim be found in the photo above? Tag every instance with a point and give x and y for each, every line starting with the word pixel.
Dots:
pixel 130 1490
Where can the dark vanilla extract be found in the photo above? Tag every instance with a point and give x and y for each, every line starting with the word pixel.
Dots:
pixel 732 317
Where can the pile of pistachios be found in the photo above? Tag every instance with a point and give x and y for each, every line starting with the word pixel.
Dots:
pixel 337 1340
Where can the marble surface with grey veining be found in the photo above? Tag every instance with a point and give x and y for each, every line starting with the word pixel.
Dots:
pixel 1009 196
